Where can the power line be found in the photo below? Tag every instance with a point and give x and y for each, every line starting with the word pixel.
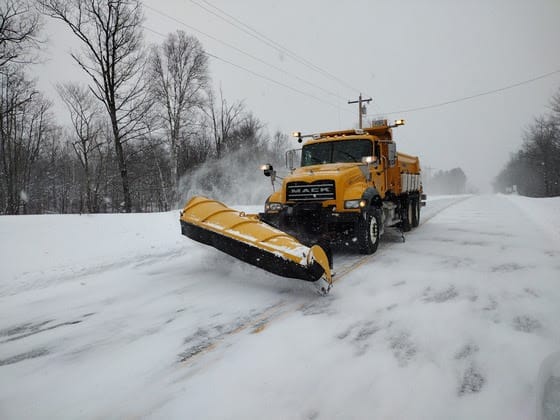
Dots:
pixel 466 98
pixel 270 42
pixel 241 51
pixel 257 74
pixel 272 80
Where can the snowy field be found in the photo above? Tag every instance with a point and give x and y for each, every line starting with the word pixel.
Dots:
pixel 119 316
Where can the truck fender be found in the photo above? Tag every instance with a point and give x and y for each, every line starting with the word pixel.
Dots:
pixel 371 195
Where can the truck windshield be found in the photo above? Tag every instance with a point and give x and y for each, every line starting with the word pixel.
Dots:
pixel 336 152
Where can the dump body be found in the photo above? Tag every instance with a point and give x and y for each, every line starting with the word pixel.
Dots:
pixel 409 171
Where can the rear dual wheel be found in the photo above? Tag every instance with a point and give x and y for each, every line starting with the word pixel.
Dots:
pixel 415 212
pixel 411 216
pixel 407 216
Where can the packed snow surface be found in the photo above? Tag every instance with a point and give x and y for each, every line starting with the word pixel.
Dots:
pixel 119 316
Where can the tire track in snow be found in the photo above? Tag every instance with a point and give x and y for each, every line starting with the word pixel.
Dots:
pixel 202 343
pixel 357 261
pixel 31 281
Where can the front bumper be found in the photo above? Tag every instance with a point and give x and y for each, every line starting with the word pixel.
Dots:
pixel 311 219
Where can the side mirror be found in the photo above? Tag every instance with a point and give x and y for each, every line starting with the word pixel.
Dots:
pixel 291 157
pixel 369 161
pixel 269 171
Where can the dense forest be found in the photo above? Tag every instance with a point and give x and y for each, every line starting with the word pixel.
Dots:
pixel 534 170
pixel 148 117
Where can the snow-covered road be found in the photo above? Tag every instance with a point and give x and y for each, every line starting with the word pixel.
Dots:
pixel 118 316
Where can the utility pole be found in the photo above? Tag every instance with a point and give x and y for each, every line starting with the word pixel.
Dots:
pixel 361 108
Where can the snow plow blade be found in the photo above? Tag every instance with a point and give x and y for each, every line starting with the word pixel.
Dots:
pixel 245 237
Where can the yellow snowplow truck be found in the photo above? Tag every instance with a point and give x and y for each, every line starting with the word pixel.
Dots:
pixel 349 187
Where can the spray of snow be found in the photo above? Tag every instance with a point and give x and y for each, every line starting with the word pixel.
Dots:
pixel 234 179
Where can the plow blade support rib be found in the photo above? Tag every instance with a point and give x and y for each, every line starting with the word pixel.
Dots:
pixel 245 237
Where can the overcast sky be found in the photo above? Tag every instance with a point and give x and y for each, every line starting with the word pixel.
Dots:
pixel 404 54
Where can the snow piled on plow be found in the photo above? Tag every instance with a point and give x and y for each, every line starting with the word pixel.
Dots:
pixel 119 316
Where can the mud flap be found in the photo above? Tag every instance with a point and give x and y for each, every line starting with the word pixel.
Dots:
pixel 245 237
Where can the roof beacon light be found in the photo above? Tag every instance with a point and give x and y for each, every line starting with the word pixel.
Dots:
pixel 297 134
pixel 397 123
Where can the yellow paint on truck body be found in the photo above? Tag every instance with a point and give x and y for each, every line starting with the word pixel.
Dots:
pixel 353 178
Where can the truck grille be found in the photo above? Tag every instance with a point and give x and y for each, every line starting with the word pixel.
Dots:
pixel 316 191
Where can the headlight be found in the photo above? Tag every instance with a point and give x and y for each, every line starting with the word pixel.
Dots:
pixel 273 206
pixel 354 204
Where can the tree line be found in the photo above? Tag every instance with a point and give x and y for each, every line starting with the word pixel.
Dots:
pixel 453 181
pixel 534 170
pixel 147 118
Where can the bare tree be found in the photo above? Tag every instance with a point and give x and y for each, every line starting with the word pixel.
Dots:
pixel 248 134
pixel 535 169
pixel 555 106
pixel 25 120
pixel 113 57
pixel 198 146
pixel 84 113
pixel 179 74
pixel 223 120
pixel 542 152
pixel 277 147
pixel 20 25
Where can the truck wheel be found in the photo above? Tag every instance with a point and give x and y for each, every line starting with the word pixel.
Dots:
pixel 415 212
pixel 368 232
pixel 407 221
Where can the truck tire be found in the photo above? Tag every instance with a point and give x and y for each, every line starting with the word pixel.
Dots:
pixel 408 211
pixel 368 228
pixel 415 212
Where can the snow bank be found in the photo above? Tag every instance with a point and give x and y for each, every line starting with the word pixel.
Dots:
pixel 77 243
pixel 544 212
